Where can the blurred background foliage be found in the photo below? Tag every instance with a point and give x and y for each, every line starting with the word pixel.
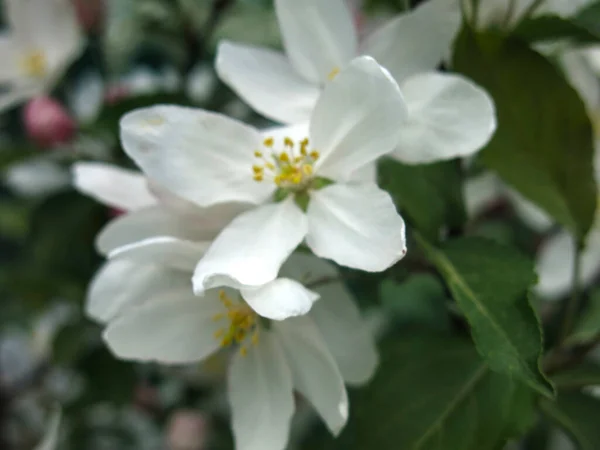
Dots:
pixel 433 389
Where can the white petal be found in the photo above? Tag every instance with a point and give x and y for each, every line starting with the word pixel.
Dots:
pixel 260 394
pixel 481 192
pixel 123 284
pixel 147 223
pixel 112 185
pixel 356 119
pixel 168 251
pixel 51 437
pixel 266 80
pixel 280 299
pixel 355 226
pixel 86 96
pixel 416 41
pixel 314 371
pixel 366 174
pixel 555 264
pixel 346 333
pixel 582 76
pixel 307 268
pixel 252 248
pixel 448 117
pixel 319 36
pixel 9 69
pixel 534 216
pixel 201 156
pixel 174 328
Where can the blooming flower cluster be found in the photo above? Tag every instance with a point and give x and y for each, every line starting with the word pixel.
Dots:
pixel 223 243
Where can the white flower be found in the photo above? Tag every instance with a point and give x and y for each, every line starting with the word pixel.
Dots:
pixel 43 38
pixel 303 188
pixel 449 116
pixel 313 354
pixel 173 232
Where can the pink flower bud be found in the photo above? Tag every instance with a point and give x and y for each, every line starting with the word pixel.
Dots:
pixel 187 430
pixel 90 13
pixel 47 122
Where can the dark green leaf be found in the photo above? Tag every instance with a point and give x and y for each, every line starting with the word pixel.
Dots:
pixel 588 327
pixel 490 283
pixel 431 194
pixel 577 414
pixel 586 374
pixel 589 18
pixel 552 28
pixel 418 300
pixel 432 393
pixel 542 150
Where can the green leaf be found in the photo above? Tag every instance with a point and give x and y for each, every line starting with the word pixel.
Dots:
pixel 432 393
pixel 577 414
pixel 589 18
pixel 588 327
pixel 552 28
pixel 490 283
pixel 430 194
pixel 418 300
pixel 586 374
pixel 542 150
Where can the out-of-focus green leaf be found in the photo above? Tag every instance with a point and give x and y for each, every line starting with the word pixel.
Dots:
pixel 589 18
pixel 577 414
pixel 543 146
pixel 433 393
pixel 588 327
pixel 249 24
pixel 430 194
pixel 490 283
pixel 418 300
pixel 586 374
pixel 551 28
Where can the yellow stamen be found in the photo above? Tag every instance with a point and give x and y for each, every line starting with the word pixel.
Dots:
pixel 288 142
pixel 34 64
pixel 314 155
pixel 258 154
pixel 268 142
pixel 284 157
pixel 243 325
pixel 334 73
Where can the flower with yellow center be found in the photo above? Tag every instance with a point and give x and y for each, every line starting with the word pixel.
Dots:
pixel 450 116
pixel 42 39
pixel 268 360
pixel 305 181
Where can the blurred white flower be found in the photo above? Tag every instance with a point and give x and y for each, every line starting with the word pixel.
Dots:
pixel 313 354
pixel 146 81
pixel 86 96
pixel 43 38
pixel 187 430
pixel 201 83
pixel 209 159
pixel 449 116
pixel 37 176
pixel 51 438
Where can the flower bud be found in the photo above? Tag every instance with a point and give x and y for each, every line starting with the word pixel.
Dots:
pixel 90 13
pixel 47 122
pixel 187 430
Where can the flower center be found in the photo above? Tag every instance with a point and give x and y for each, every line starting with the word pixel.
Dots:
pixel 334 73
pixel 34 64
pixel 242 327
pixel 290 168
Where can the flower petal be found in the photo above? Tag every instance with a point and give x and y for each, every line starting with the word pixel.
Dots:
pixel 173 329
pixel 416 41
pixel 266 81
pixel 252 248
pixel 448 117
pixel 319 37
pixel 122 284
pixel 168 251
pixel 555 264
pixel 356 119
pixel 201 156
pixel 9 69
pixel 147 223
pixel 314 371
pixel 356 226
pixel 346 333
pixel 280 299
pixel 112 185
pixel 260 394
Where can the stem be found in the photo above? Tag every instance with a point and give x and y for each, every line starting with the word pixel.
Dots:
pixel 573 303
